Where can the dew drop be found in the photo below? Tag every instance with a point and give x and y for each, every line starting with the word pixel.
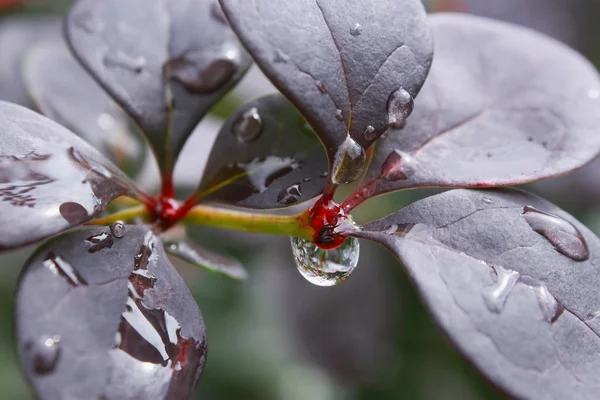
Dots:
pixel 487 200
pixel 99 242
pixel 563 235
pixel 306 179
pixel 118 229
pixel 124 61
pixel 325 267
pixel 339 115
pixel 398 166
pixel 43 354
pixel 369 133
pixel 290 195
pixel 495 296
pixel 349 162
pixel 248 126
pixel 400 105
pixel 324 174
pixel 356 30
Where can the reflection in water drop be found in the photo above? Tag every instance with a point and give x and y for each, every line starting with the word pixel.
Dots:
pixel 400 106
pixel 356 30
pixel 495 296
pixel 99 242
pixel 124 61
pixel 563 235
pixel 349 162
pixel 325 267
pixel 43 354
pixel 61 268
pixel 397 166
pixel 248 126
pixel 118 229
pixel 290 195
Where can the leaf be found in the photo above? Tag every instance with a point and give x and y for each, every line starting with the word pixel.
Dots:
pixel 497 109
pixel 265 156
pixel 116 323
pixel 166 62
pixel 339 61
pixel 513 281
pixel 50 180
pixel 17 34
pixel 200 257
pixel 66 93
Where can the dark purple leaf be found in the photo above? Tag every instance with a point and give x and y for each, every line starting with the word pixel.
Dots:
pixel 198 256
pixel 350 67
pixel 166 62
pixel 66 93
pixel 497 109
pixel 16 35
pixel 513 280
pixel 115 323
pixel 50 180
pixel 266 156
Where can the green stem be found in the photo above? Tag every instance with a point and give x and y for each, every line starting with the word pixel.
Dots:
pixel 123 215
pixel 285 225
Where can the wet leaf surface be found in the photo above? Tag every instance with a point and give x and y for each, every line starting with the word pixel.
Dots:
pixel 266 156
pixel 166 63
pixel 201 257
pixel 66 93
pixel 50 179
pixel 17 34
pixel 512 280
pixel 497 109
pixel 114 323
pixel 339 61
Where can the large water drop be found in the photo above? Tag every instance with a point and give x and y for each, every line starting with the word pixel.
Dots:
pixel 563 235
pixel 400 106
pixel 325 267
pixel 349 162
pixel 248 126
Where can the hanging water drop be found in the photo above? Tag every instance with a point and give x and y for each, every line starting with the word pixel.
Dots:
pixel 356 30
pixel 118 229
pixel 400 105
pixel 348 163
pixel 563 235
pixel 398 166
pixel 290 195
pixel 325 267
pixel 495 296
pixel 248 126
pixel 43 354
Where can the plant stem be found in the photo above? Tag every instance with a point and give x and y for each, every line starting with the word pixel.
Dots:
pixel 285 225
pixel 123 215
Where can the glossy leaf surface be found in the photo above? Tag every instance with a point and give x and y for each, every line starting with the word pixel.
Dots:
pixel 17 34
pixel 201 257
pixel 266 156
pixel 66 93
pixel 166 62
pixel 112 313
pixel 512 280
pixel 497 109
pixel 50 180
pixel 339 61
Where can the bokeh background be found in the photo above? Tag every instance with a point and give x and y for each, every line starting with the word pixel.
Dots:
pixel 276 336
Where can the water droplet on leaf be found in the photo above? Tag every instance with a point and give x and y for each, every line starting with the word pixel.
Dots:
pixel 325 267
pixel 495 296
pixel 61 268
pixel 369 133
pixel 400 106
pixel 124 61
pixel 397 166
pixel 43 354
pixel 248 126
pixel 487 200
pixel 349 162
pixel 563 235
pixel 99 242
pixel 551 309
pixel 118 229
pixel 290 195
pixel 356 30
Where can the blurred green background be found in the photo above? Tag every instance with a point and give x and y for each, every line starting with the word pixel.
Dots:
pixel 278 337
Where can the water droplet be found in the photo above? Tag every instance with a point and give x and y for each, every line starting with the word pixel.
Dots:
pixel 325 267
pixel 61 268
pixel 321 87
pixel 281 57
pixel 324 174
pixel 106 121
pixel 99 242
pixel 74 213
pixel 495 296
pixel 563 235
pixel 349 162
pixel 124 61
pixel 217 13
pixel 290 195
pixel 487 200
pixel 118 229
pixel 43 354
pixel 400 106
pixel 594 94
pixel 356 30
pixel 369 133
pixel 248 126
pixel 306 179
pixel 204 71
pixel 398 166
pixel 339 115
pixel 551 309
